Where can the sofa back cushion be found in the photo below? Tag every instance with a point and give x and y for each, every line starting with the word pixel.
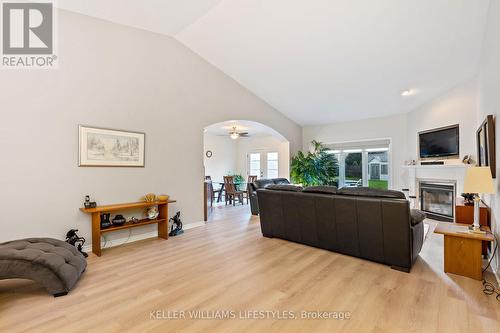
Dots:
pixel 279 181
pixel 262 183
pixel 284 187
pixel 371 192
pixel 321 189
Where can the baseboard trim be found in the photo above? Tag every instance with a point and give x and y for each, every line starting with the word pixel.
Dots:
pixel 138 237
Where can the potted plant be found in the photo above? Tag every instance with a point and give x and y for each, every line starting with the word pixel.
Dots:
pixel 316 167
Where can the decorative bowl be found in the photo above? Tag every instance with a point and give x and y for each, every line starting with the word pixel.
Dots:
pixel 150 197
pixel 119 220
pixel 163 197
pixel 152 212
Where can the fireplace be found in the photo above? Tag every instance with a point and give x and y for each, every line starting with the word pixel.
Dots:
pixel 437 200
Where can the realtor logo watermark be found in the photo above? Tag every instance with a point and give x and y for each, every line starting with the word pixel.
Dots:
pixel 28 35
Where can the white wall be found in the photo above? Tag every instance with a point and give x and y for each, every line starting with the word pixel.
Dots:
pixel 393 127
pixel 224 156
pixel 458 106
pixel 117 77
pixel 261 144
pixel 489 100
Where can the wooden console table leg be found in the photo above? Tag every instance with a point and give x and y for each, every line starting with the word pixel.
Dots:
pixel 163 225
pixel 462 256
pixel 96 234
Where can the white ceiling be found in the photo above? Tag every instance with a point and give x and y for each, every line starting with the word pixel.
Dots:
pixel 162 16
pixel 321 61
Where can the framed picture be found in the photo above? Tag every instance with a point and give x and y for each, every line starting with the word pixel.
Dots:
pixel 485 138
pixel 110 148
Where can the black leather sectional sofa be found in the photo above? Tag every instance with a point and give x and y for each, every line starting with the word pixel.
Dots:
pixel 377 225
pixel 261 183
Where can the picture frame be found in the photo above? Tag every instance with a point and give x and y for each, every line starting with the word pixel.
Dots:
pixel 485 141
pixel 105 147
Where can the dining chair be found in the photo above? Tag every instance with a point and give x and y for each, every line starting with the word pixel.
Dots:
pixel 251 179
pixel 214 192
pixel 231 192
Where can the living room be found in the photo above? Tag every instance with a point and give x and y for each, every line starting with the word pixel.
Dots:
pixel 392 106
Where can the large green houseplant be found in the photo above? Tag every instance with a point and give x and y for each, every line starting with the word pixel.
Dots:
pixel 316 167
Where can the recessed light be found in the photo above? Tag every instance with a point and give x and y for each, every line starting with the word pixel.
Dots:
pixel 407 92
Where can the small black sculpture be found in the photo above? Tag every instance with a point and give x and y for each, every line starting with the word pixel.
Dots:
pixel 178 225
pixel 75 240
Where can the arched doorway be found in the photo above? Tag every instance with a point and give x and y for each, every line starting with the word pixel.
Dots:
pixel 240 148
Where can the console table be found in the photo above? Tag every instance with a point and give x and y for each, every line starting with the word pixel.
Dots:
pixel 161 220
pixel 462 249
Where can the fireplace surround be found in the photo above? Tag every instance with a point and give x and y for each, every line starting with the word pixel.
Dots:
pixel 437 200
pixel 448 175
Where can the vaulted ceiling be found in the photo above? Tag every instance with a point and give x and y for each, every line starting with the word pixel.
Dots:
pixel 321 61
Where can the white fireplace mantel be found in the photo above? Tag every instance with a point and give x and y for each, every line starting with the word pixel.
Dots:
pixel 448 173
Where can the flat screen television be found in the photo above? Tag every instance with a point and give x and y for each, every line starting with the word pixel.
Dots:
pixel 439 142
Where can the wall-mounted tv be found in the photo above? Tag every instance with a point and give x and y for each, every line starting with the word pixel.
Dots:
pixel 439 142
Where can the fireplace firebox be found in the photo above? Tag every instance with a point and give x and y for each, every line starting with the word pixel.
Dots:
pixel 437 200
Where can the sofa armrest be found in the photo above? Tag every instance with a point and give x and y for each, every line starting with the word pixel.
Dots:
pixel 417 216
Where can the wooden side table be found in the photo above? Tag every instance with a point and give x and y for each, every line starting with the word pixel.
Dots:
pixel 462 249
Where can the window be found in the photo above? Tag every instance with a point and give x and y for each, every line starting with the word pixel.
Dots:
pixel 255 164
pixel 353 165
pixel 263 164
pixel 385 169
pixel 378 171
pixel 272 165
pixel 362 163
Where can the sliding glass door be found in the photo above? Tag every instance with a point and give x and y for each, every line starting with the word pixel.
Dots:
pixel 363 164
pixel 353 164
pixel 378 168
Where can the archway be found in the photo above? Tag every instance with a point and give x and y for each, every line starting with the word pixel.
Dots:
pixel 240 148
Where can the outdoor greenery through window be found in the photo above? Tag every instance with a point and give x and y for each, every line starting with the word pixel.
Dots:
pixel 344 165
pixel 363 167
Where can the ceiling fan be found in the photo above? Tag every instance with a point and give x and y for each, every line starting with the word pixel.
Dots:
pixel 235 134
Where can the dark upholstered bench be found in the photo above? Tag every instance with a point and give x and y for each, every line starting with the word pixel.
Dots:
pixel 52 263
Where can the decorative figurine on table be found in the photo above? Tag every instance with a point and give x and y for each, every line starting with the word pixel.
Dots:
pixel 468 160
pixel 75 240
pixel 176 220
pixel 88 203
pixel 152 212
pixel 150 197
pixel 105 222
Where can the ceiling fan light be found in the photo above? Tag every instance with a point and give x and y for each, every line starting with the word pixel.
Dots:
pixel 407 92
pixel 234 136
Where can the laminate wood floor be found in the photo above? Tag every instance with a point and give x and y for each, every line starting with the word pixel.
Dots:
pixel 228 265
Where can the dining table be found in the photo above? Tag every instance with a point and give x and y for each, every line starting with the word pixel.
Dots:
pixel 240 186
